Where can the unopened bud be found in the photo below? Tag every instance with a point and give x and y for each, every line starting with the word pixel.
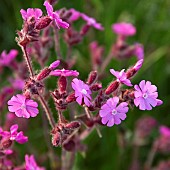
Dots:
pixel 56 139
pixel 6 143
pixel 43 22
pixel 43 74
pixel 112 87
pixel 69 146
pixel 72 125
pixel 84 29
pixel 71 98
pixel 62 84
pixel 96 87
pixel 92 77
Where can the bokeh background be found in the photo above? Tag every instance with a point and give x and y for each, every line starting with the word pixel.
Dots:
pixel 152 20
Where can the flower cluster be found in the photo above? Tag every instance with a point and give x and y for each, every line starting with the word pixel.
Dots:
pixel 99 105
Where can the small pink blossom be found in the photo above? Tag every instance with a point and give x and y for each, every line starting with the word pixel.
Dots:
pixel 64 73
pixel 17 136
pixel 22 106
pixel 17 84
pixel 139 51
pixel 121 77
pixel 112 112
pixel 82 92
pixel 92 22
pixel 146 95
pixel 55 16
pixel 31 12
pixel 30 163
pixel 123 28
pixel 6 59
pixel 14 135
pixel 164 130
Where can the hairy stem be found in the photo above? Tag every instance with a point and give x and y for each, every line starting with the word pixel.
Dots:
pixel 57 42
pixel 90 116
pixel 27 59
pixel 47 111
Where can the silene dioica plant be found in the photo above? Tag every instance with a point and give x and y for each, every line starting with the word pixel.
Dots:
pixel 101 106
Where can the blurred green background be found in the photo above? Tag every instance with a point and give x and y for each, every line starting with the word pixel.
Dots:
pixel 152 20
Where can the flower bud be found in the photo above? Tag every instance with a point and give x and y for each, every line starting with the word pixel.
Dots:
pixel 43 22
pixel 56 139
pixel 6 143
pixel 96 87
pixel 92 77
pixel 69 146
pixel 84 30
pixel 43 74
pixel 72 125
pixel 71 98
pixel 112 87
pixel 62 84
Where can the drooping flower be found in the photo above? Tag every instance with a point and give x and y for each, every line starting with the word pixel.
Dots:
pixel 92 22
pixel 55 16
pixel 139 51
pixel 22 106
pixel 146 95
pixel 121 77
pixel 112 112
pixel 30 163
pixel 64 73
pixel 82 92
pixel 123 28
pixel 14 135
pixel 75 15
pixel 6 59
pixel 31 12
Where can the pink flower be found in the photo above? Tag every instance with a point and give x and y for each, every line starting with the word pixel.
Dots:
pixel 121 77
pixel 14 135
pixel 165 131
pixel 6 59
pixel 123 28
pixel 139 51
pixel 17 84
pixel 146 95
pixel 75 15
pixel 112 113
pixel 92 22
pixel 23 107
pixel 17 136
pixel 82 92
pixel 36 13
pixel 64 73
pixel 55 16
pixel 30 163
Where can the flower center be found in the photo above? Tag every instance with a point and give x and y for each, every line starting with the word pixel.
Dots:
pixel 23 106
pixel 145 95
pixel 84 91
pixel 114 112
